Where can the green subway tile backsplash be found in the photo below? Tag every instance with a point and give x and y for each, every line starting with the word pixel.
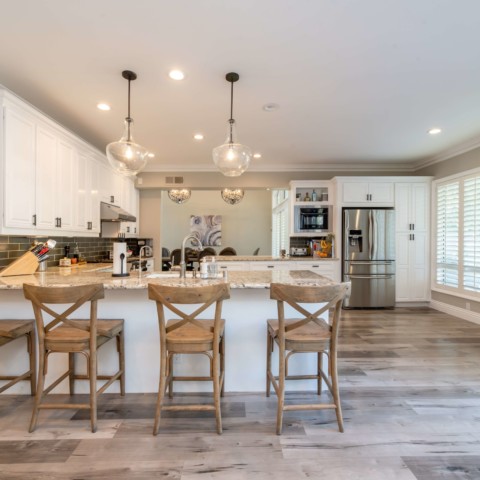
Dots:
pixel 91 248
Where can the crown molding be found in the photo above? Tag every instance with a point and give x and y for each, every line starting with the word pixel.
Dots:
pixel 464 147
pixel 321 167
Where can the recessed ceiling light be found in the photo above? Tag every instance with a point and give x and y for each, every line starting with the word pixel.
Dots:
pixel 198 136
pixel 271 107
pixel 176 75
pixel 257 155
pixel 151 155
pixel 103 106
pixel 435 131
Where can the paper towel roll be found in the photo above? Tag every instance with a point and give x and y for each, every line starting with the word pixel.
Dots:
pixel 119 265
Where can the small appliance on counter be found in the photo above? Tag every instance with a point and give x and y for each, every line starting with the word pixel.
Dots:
pixel 298 251
pixel 120 260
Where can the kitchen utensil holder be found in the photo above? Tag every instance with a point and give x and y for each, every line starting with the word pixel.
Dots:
pixel 24 265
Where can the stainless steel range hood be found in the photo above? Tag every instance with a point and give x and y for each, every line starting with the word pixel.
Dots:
pixel 112 213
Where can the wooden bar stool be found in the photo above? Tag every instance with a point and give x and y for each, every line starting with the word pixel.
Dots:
pixel 307 334
pixel 65 335
pixel 12 330
pixel 189 335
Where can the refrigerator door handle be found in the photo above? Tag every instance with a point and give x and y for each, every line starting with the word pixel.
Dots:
pixel 374 262
pixel 370 235
pixel 369 277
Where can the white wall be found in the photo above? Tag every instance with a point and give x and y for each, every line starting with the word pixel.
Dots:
pixel 245 226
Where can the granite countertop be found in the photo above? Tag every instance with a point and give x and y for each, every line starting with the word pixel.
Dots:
pixel 267 258
pixel 95 273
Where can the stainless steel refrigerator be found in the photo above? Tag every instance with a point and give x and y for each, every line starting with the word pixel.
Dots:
pixel 368 256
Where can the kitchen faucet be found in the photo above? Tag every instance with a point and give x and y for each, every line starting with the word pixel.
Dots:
pixel 142 250
pixel 183 265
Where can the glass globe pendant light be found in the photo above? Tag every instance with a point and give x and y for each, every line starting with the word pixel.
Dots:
pixel 232 158
pixel 126 156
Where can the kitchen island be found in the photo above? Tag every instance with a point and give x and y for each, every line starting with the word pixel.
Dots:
pixel 245 314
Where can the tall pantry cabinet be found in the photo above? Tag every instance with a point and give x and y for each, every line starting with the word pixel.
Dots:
pixel 412 218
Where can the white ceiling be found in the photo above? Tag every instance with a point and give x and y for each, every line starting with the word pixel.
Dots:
pixel 358 81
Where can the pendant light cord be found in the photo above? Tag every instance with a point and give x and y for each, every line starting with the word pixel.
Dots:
pixel 231 121
pixel 128 119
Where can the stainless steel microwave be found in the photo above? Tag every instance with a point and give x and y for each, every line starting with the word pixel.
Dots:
pixel 312 219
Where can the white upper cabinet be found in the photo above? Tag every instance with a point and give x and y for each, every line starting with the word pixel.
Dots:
pixel 46 178
pixel 18 169
pixel 367 192
pixel 49 183
pixel 87 202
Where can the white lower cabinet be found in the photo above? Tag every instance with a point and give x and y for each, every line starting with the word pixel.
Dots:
pixel 412 267
pixel 229 266
pixel 273 265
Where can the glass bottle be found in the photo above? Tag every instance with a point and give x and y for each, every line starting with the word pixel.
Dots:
pixel 314 196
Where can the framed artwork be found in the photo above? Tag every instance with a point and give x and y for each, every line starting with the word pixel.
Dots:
pixel 208 228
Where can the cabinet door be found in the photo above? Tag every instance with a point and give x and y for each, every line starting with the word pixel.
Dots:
pixel 94 207
pixel 411 279
pixel 46 178
pixel 276 265
pixel 420 205
pixel 66 190
pixel 402 267
pixel 419 277
pixel 19 172
pixel 236 266
pixel 403 207
pixel 381 193
pixel 83 178
pixel 355 192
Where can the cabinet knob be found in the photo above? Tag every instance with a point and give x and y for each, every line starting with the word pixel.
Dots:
pixel 34 219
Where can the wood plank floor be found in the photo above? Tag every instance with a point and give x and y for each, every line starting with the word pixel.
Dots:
pixel 410 389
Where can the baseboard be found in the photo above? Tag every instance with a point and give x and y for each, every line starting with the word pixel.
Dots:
pixel 411 304
pixel 456 311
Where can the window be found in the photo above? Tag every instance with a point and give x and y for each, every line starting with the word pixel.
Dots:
pixel 280 238
pixel 458 234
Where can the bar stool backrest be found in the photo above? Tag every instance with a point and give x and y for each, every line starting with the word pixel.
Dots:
pixel 75 296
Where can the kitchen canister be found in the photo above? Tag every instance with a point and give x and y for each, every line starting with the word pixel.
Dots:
pixel 120 260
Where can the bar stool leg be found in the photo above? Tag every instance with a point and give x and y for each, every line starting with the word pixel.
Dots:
pixel 32 352
pixel 281 388
pixel 170 372
pixel 121 360
pixel 92 361
pixel 161 390
pixel 335 392
pixel 319 372
pixel 71 372
pixel 222 364
pixel 269 361
pixel 39 394
pixel 216 389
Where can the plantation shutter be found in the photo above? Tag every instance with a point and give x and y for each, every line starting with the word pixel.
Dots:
pixel 471 234
pixel 448 234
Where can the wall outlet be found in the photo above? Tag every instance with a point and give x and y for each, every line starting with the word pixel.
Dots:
pixel 467 305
